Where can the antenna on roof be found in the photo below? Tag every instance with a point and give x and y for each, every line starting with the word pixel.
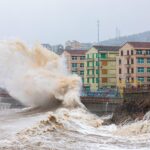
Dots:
pixel 98 32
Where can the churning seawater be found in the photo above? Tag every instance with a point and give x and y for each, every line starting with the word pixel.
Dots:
pixel 57 119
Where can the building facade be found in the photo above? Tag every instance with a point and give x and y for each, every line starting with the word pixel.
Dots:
pixel 75 61
pixel 74 45
pixel 100 67
pixel 133 65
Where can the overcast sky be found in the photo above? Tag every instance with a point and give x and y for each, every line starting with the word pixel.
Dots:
pixel 56 21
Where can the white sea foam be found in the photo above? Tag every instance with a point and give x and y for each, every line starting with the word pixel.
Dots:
pixel 36 76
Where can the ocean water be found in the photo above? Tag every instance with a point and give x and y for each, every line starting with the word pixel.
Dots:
pixel 69 129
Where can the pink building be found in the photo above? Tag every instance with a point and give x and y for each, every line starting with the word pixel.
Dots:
pixel 133 64
pixel 75 61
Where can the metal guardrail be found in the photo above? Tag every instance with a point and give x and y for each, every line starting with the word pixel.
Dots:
pixel 89 99
pixel 136 90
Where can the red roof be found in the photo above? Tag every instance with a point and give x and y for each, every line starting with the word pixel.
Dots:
pixel 140 45
pixel 76 52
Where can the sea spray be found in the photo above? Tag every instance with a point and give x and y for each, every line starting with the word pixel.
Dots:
pixel 135 128
pixel 36 76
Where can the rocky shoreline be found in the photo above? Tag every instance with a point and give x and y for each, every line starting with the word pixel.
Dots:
pixel 134 107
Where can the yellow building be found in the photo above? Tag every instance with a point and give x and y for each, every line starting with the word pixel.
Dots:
pixel 100 67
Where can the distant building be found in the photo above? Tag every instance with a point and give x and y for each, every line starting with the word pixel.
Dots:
pixel 58 49
pixel 48 46
pixel 133 65
pixel 100 67
pixel 74 45
pixel 75 61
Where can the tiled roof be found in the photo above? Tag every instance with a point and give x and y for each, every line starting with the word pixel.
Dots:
pixel 78 52
pixel 140 44
pixel 107 48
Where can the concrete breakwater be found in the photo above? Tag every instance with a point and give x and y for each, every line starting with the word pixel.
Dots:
pixel 99 105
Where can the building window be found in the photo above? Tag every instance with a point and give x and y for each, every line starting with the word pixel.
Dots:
pixel 97 63
pixel 88 71
pixel 132 80
pixel 88 56
pixel 128 70
pixel 141 79
pixel 82 65
pixel 120 80
pixel 140 60
pixel 132 61
pixel 74 72
pixel 96 55
pixel 147 52
pixel 119 61
pixel 148 69
pixel 121 53
pixel 148 60
pixel 82 57
pixel 128 52
pixel 139 52
pixel 82 80
pixel 119 70
pixel 92 80
pixel 97 80
pixel 88 64
pixel 92 55
pixel 97 71
pixel 103 55
pixel 81 72
pixel 88 80
pixel 132 70
pixel 140 69
pixel 104 71
pixel 132 52
pixel 92 64
pixel 127 79
pixel 74 65
pixel 148 79
pixel 74 57
pixel 128 62
pixel 92 72
pixel 104 80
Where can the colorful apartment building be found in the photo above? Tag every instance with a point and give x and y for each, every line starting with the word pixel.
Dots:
pixel 133 65
pixel 100 67
pixel 75 61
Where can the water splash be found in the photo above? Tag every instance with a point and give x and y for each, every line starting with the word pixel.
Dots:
pixel 36 76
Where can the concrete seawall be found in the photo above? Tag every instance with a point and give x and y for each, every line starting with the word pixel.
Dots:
pixel 136 103
pixel 100 105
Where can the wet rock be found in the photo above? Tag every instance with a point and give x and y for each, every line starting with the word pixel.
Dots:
pixel 134 107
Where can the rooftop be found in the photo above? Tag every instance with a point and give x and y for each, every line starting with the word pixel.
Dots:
pixel 106 48
pixel 77 52
pixel 140 45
